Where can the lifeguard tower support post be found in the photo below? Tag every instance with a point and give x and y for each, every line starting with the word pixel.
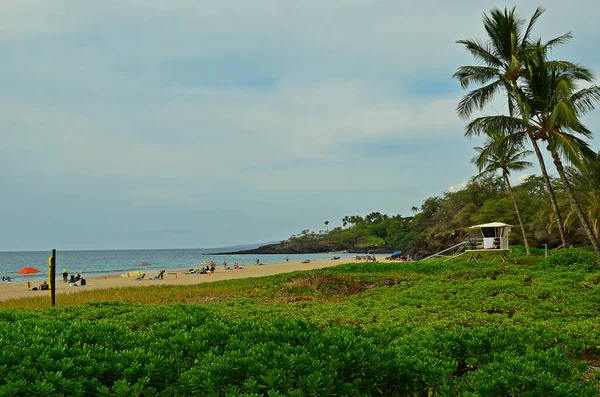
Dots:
pixel 494 240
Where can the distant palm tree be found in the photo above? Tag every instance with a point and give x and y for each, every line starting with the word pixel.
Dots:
pixel 327 226
pixel 501 153
pixel 501 56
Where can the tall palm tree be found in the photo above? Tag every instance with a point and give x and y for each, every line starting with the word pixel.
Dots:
pixel 502 67
pixel 551 113
pixel 500 152
pixel 550 91
pixel 327 225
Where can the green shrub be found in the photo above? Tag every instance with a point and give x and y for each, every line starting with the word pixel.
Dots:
pixel 572 257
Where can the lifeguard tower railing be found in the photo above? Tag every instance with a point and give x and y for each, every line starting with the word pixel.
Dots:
pixel 486 243
pixel 450 252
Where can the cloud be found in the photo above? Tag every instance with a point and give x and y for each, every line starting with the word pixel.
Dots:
pixel 241 109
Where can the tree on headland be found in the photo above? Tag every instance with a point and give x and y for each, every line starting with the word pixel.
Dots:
pixel 502 59
pixel 501 153
pixel 327 225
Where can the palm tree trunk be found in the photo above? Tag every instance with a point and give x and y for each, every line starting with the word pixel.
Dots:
pixel 559 221
pixel 573 200
pixel 514 200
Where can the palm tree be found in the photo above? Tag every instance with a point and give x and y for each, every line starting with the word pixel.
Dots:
pixel 551 94
pixel 587 187
pixel 502 67
pixel 551 113
pixel 327 226
pixel 501 153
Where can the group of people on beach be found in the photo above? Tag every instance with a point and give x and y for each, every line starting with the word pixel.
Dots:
pixel 400 258
pixel 211 267
pixel 6 278
pixel 75 279
pixel 366 258
pixel 236 266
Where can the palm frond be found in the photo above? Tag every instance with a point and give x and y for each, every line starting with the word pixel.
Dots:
pixel 585 100
pixel 571 148
pixel 536 15
pixel 477 99
pixel 482 52
pixel 558 41
pixel 520 165
pixel 503 28
pixel 504 125
pixel 475 74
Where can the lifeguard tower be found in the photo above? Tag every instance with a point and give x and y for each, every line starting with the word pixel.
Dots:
pixel 493 240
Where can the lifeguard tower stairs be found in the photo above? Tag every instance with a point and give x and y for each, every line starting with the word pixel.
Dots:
pixel 450 253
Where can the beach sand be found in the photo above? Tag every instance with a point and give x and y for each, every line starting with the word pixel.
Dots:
pixel 171 277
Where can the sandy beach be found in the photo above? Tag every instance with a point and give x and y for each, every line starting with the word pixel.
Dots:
pixel 172 277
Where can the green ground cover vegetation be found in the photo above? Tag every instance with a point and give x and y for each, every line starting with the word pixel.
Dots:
pixel 407 329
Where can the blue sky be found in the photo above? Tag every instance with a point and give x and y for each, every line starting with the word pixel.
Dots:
pixel 182 124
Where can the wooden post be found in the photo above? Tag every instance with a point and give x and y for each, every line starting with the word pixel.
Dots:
pixel 53 275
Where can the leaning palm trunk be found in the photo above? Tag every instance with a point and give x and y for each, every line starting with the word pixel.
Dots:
pixel 574 202
pixel 549 190
pixel 559 221
pixel 514 200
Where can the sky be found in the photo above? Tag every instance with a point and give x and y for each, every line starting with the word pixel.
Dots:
pixel 194 124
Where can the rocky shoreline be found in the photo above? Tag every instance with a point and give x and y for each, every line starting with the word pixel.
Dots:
pixel 283 250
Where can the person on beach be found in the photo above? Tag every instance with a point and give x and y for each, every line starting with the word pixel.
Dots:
pixel 287 259
pixel 65 274
pixel 257 261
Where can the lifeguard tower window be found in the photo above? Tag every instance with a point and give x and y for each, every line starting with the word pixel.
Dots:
pixel 490 238
pixel 488 231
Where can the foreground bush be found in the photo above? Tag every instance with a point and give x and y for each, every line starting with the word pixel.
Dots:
pixel 135 350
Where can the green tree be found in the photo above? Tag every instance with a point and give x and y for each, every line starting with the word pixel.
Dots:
pixel 327 226
pixel 501 153
pixel 502 66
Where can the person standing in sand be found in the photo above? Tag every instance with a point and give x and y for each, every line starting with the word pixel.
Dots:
pixel 65 274
pixel 257 261
pixel 287 259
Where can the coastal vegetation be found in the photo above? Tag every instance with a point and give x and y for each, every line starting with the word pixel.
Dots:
pixel 443 220
pixel 414 328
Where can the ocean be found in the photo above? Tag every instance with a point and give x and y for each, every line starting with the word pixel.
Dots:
pixel 104 263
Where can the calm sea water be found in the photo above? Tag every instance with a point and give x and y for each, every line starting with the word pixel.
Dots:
pixel 99 263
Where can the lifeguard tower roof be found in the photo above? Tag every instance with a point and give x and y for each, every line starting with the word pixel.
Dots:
pixel 492 224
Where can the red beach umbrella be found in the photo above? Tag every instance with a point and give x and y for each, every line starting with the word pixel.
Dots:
pixel 28 270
